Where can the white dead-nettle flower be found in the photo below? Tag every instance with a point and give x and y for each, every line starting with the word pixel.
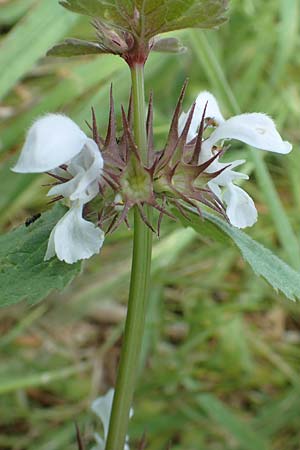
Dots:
pixel 55 144
pixel 102 407
pixel 255 129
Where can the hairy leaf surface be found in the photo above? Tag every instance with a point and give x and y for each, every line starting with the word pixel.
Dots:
pixel 147 18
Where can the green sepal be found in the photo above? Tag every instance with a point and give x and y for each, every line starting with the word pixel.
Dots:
pixel 148 18
pixel 264 263
pixel 24 275
pixel 75 47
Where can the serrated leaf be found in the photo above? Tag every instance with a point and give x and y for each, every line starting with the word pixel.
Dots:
pixel 203 227
pixel 263 262
pixel 170 15
pixel 147 18
pixel 24 275
pixel 75 47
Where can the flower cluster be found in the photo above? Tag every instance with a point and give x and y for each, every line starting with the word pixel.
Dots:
pixel 56 145
pixel 187 172
pixel 255 129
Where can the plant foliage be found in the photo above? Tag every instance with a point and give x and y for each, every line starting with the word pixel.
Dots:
pixel 148 18
pixel 263 262
pixel 24 275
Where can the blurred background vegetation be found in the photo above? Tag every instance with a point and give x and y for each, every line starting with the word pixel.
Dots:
pixel 221 353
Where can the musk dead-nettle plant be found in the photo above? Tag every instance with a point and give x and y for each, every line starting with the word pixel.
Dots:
pixel 124 178
pixel 187 171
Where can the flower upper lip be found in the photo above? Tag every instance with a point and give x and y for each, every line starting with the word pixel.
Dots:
pixel 52 141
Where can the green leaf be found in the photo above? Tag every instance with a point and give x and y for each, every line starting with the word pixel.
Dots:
pixel 75 47
pixel 206 229
pixel 264 263
pixel 170 15
pixel 12 11
pixel 24 275
pixel 147 18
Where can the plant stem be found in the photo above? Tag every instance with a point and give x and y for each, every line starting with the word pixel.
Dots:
pixel 139 123
pixel 138 294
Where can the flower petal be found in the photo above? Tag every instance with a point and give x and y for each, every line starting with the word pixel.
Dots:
pixel 212 111
pixel 212 108
pixel 51 141
pixel 74 238
pixel 92 161
pixel 100 442
pixel 228 175
pixel 86 169
pixel 255 129
pixel 102 407
pixel 215 188
pixel 241 209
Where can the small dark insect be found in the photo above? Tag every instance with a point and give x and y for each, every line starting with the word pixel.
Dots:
pixel 32 219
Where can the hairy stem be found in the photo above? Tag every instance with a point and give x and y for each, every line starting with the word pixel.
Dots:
pixel 139 290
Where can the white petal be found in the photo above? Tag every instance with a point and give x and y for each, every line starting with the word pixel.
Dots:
pixel 66 189
pixel 74 238
pixel 51 246
pixel 255 129
pixel 92 161
pixel 102 407
pixel 212 111
pixel 100 442
pixel 86 169
pixel 241 209
pixel 229 175
pixel 51 141
pixel 215 188
pixel 181 123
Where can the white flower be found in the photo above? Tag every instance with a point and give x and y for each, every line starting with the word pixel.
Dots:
pixel 74 238
pixel 54 141
pixel 102 407
pixel 255 129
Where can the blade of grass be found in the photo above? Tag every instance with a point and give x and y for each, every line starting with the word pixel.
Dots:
pixel 241 431
pixel 76 82
pixel 289 11
pixel 30 39
pixel 12 11
pixel 41 379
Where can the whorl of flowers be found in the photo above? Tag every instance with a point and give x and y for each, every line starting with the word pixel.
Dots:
pixel 169 177
pixel 186 172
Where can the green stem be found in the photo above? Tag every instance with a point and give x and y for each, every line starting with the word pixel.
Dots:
pixel 139 123
pixel 138 294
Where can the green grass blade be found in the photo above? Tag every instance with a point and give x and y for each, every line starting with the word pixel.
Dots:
pixel 10 12
pixel 30 39
pixel 243 433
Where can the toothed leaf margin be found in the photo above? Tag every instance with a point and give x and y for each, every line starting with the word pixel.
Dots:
pixel 264 263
